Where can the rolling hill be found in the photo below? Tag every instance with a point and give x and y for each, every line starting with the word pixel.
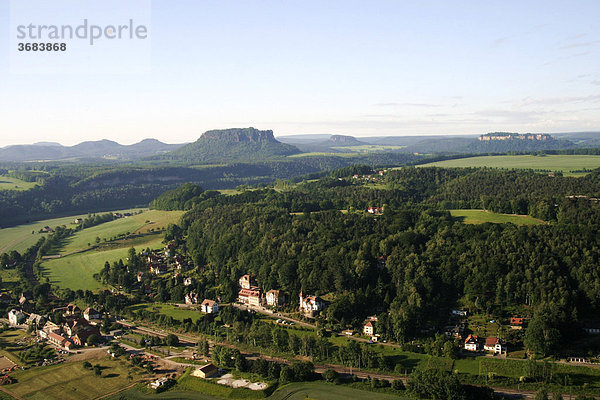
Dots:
pixel 107 149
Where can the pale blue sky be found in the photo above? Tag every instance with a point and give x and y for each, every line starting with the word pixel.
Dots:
pixel 363 68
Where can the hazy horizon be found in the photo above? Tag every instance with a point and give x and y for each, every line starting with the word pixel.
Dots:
pixel 352 67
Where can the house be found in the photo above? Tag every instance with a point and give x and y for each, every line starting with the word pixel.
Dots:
pixel 59 340
pixel 494 345
pixel 50 326
pixel 90 314
pixel 16 317
pixel 369 328
pixel 191 298
pixel 37 319
pixel 159 382
pixel 188 281
pixel 81 337
pixel 159 269
pixel 375 210
pixel 592 331
pixel 72 309
pixel 46 229
pixel 140 276
pixel 209 306
pixel 247 282
pixel 72 326
pixel 78 220
pixel 459 313
pixel 472 343
pixel 516 323
pixel 310 304
pixel 275 298
pixel 455 331
pixel 250 296
pixel 207 371
pixel 348 332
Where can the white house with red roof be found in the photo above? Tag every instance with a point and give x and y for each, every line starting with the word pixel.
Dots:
pixel 209 306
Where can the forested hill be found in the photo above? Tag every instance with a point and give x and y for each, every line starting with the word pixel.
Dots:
pixel 232 145
pixel 414 263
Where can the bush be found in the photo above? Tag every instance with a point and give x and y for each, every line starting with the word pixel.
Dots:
pixel 330 375
pixel 87 365
pixel 398 385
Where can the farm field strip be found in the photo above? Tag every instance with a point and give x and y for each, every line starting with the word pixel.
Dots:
pixel 564 163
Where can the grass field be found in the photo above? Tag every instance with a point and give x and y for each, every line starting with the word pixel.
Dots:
pixel 482 216
pixel 170 310
pixel 71 381
pixel 319 154
pixel 564 163
pixel 369 148
pixel 20 237
pixel 326 391
pixel 139 223
pixel 75 271
pixel 8 183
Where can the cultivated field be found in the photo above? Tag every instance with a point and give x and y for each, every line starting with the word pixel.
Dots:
pixel 71 381
pixel 482 216
pixel 564 163
pixel 8 183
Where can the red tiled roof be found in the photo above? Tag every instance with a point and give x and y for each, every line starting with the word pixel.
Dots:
pixel 516 321
pixel 471 338
pixel 249 293
pixel 492 341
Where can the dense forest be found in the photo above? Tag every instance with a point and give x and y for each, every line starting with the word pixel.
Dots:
pixel 71 188
pixel 415 262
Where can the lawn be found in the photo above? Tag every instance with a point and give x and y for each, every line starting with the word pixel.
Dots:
pixel 139 223
pixel 170 310
pixel 564 163
pixel 482 216
pixel 20 237
pixel 71 381
pixel 77 270
pixel 8 183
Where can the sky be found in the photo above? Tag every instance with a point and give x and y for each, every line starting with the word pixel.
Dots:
pixel 361 68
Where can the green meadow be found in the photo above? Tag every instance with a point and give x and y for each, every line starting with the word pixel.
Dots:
pixel 85 253
pixel 368 148
pixel 565 163
pixel 21 237
pixel 8 183
pixel 71 381
pixel 482 216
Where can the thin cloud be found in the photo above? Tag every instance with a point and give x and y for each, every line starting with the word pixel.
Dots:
pixel 573 45
pixel 407 105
